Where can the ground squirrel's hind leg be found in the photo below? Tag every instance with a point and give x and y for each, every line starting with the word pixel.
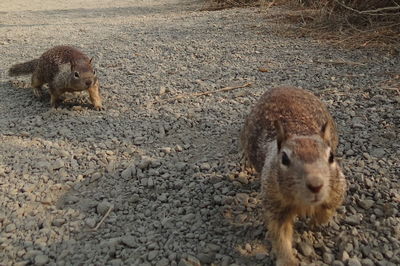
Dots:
pixel 280 231
pixel 37 84
pixel 94 94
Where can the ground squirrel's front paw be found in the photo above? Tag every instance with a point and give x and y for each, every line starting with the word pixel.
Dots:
pixel 99 108
pixel 287 262
pixel 37 92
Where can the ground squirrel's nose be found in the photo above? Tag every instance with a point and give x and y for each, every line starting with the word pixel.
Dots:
pixel 314 189
pixel 88 82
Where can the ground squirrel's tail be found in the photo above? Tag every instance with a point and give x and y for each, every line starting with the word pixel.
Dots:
pixel 23 68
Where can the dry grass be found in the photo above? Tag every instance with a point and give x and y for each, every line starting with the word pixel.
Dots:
pixel 350 23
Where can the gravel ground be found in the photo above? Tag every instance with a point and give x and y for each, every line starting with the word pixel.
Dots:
pixel 166 174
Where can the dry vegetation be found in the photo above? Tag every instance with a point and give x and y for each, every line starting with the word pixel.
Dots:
pixel 353 23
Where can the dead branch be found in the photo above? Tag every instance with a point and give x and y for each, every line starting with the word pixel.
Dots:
pixel 341 62
pixel 187 95
pixel 376 12
pixel 104 217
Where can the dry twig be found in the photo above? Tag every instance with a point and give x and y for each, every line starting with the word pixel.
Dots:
pixel 341 62
pixel 104 217
pixel 374 12
pixel 186 95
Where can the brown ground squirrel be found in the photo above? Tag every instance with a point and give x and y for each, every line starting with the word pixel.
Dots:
pixel 290 139
pixel 65 69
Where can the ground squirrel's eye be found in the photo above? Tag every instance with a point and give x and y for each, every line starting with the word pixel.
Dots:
pixel 94 72
pixel 285 159
pixel 331 157
pixel 76 74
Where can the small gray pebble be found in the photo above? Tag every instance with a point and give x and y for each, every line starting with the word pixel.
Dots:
pixel 354 219
pixel 91 222
pixel 58 222
pixel 367 262
pixel 306 249
pixel 180 166
pixel 10 228
pixel 127 173
pixel 344 256
pixel 337 263
pixel 152 255
pixel 103 207
pixel 206 258
pixel 59 163
pixel 163 262
pixel 41 260
pixel 193 261
pixel 328 257
pixel 205 166
pixel 353 262
pixel 366 204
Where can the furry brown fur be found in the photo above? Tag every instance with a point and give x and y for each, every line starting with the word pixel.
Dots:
pixel 65 69
pixel 290 139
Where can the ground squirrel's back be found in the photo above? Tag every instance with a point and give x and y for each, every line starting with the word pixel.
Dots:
pixel 299 111
pixel 51 60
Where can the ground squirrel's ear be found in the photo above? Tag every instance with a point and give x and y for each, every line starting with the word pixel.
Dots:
pixel 280 133
pixel 325 133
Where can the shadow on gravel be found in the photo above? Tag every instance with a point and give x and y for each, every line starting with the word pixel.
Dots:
pixel 42 25
pixel 149 203
pixel 135 10
pixel 19 100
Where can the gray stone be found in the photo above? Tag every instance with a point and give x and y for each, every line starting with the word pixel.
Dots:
pixel 103 207
pixel 163 262
pixel 58 222
pixel 378 152
pixel 328 258
pixel 150 182
pixel 213 247
pixel 206 258
pixel 367 262
pixel 130 241
pixel 191 260
pixel 344 256
pixel 337 263
pixel 306 249
pixel 354 219
pixel 366 204
pixel 91 222
pixel 144 163
pixel 127 173
pixel 59 163
pixel 353 262
pixel 152 255
pixel 180 166
pixel 41 260
pixel 115 262
pixel 205 166
pixel 10 228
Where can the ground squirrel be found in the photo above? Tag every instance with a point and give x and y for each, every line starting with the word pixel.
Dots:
pixel 290 139
pixel 65 69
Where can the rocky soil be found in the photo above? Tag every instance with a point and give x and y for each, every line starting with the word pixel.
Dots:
pixel 154 181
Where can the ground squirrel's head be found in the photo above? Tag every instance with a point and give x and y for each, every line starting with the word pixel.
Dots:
pixel 82 75
pixel 307 165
